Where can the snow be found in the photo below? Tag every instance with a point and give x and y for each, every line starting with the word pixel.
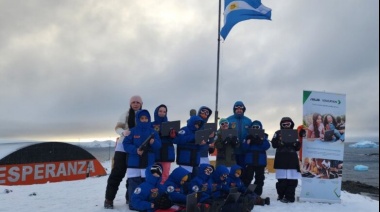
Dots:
pixel 364 144
pixel 361 168
pixel 88 196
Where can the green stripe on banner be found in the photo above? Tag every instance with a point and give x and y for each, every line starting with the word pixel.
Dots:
pixel 306 95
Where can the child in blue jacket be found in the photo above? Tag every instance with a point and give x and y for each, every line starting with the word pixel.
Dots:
pixel 188 152
pixel 166 154
pixel 146 193
pixel 200 183
pixel 218 183
pixel 255 158
pixel 176 184
pixel 139 159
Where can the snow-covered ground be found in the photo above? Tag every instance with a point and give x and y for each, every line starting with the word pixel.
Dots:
pixel 88 196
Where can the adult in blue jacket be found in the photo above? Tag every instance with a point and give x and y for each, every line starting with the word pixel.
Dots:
pixel 241 123
pixel 255 158
pixel 188 152
pixel 165 156
pixel 176 185
pixel 146 193
pixel 139 159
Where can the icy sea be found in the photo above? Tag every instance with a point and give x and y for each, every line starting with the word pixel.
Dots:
pixel 352 156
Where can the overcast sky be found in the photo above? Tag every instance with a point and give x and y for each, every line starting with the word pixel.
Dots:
pixel 68 68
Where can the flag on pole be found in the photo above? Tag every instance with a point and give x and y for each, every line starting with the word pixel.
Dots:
pixel 236 11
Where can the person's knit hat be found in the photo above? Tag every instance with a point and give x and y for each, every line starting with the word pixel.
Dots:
pixel 156 168
pixel 136 98
pixel 222 120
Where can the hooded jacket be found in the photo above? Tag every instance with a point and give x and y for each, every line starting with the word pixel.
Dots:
pixel 233 181
pixel 133 141
pixel 166 153
pixel 218 186
pixel 188 153
pixel 286 156
pixel 201 182
pixel 147 192
pixel 241 123
pixel 204 152
pixel 177 192
pixel 256 154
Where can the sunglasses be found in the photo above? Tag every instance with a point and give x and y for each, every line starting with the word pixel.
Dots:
pixel 224 123
pixel 286 124
pixel 256 127
pixel 205 111
pixel 239 107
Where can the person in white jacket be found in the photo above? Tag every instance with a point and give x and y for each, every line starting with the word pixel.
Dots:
pixel 119 168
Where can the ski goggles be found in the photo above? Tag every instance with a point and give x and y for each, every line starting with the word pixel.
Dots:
pixel 205 111
pixel 286 124
pixel 224 123
pixel 239 107
pixel 256 127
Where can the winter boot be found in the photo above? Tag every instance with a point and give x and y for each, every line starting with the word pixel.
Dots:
pixel 108 204
pixel 259 201
pixel 284 200
pixel 267 201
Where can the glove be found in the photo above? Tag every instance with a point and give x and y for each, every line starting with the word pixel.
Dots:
pixel 227 140
pixel 234 141
pixel 172 133
pixel 249 137
pixel 266 136
pixel 211 150
pixel 257 140
pixel 163 202
pixel 302 133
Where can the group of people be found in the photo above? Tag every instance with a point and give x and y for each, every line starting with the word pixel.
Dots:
pixel 145 156
pixel 328 122
pixel 321 168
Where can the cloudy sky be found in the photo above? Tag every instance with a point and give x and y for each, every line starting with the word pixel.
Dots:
pixel 68 68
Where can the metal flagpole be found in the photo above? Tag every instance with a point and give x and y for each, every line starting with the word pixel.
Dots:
pixel 217 68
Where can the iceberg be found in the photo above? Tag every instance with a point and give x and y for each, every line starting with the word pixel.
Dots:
pixel 364 144
pixel 361 168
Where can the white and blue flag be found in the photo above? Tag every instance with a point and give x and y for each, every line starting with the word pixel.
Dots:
pixel 236 11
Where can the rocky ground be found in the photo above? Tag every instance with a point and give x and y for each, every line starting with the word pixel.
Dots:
pixel 361 188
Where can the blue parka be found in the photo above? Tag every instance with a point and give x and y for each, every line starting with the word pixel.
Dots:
pixel 204 152
pixel 233 181
pixel 166 153
pixel 201 182
pixel 177 192
pixel 256 154
pixel 147 192
pixel 241 123
pixel 188 153
pixel 219 187
pixel 133 141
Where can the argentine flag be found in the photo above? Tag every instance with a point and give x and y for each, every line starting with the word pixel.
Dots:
pixel 236 11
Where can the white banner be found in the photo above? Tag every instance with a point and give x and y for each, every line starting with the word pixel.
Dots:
pixel 324 117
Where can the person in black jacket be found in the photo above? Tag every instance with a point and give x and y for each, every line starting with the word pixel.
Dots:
pixel 286 163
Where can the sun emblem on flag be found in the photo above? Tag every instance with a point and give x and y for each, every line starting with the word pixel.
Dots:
pixel 234 6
